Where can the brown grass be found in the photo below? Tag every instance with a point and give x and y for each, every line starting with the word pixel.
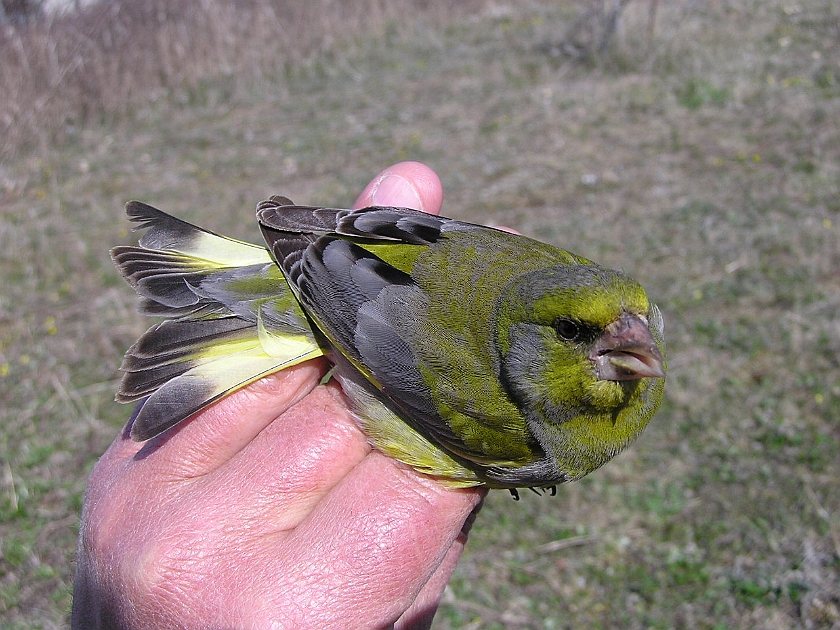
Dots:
pixel 108 59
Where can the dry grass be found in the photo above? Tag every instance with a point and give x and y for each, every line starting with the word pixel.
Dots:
pixel 705 161
pixel 112 57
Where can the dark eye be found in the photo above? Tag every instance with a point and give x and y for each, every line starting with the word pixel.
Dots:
pixel 567 329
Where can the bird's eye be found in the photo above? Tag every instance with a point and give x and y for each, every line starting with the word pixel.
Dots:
pixel 567 329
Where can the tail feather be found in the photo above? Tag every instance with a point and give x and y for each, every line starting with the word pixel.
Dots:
pixel 166 233
pixel 184 339
pixel 230 318
pixel 151 308
pixel 197 388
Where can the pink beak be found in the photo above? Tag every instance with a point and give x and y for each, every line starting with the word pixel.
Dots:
pixel 627 351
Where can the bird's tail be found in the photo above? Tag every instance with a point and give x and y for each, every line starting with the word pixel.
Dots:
pixel 229 318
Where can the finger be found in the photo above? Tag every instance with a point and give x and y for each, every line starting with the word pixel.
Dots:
pixel 296 460
pixel 504 228
pixel 389 529
pixel 208 439
pixel 422 610
pixel 405 185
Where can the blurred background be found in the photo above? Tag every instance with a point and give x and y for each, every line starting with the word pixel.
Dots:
pixel 693 143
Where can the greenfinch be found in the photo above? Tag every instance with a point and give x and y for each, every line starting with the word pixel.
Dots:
pixel 473 355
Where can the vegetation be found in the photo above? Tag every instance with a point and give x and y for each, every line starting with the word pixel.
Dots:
pixel 700 153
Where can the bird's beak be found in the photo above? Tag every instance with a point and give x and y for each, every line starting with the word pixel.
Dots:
pixel 627 351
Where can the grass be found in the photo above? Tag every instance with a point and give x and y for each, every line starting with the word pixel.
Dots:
pixel 702 159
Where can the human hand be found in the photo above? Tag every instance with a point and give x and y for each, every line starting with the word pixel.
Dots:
pixel 269 509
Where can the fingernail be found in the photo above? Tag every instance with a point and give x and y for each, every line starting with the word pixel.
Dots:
pixel 393 190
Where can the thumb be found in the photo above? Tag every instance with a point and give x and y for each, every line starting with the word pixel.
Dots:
pixel 406 185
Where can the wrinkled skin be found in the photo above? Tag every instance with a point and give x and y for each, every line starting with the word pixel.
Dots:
pixel 269 509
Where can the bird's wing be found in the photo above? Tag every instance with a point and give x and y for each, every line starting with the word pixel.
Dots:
pixel 351 271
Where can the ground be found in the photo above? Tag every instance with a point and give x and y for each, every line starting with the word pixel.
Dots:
pixel 702 157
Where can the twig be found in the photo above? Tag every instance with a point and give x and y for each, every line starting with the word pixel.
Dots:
pixel 10 479
pixel 826 516
pixel 566 543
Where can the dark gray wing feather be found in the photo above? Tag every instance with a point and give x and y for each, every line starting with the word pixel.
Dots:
pixel 362 304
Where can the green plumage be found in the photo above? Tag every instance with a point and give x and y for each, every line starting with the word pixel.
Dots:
pixel 474 355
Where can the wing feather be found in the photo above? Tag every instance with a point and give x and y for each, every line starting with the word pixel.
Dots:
pixel 361 303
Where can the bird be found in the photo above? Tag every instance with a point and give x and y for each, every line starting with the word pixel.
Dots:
pixel 474 355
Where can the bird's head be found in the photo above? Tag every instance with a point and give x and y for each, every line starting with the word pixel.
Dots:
pixel 582 354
